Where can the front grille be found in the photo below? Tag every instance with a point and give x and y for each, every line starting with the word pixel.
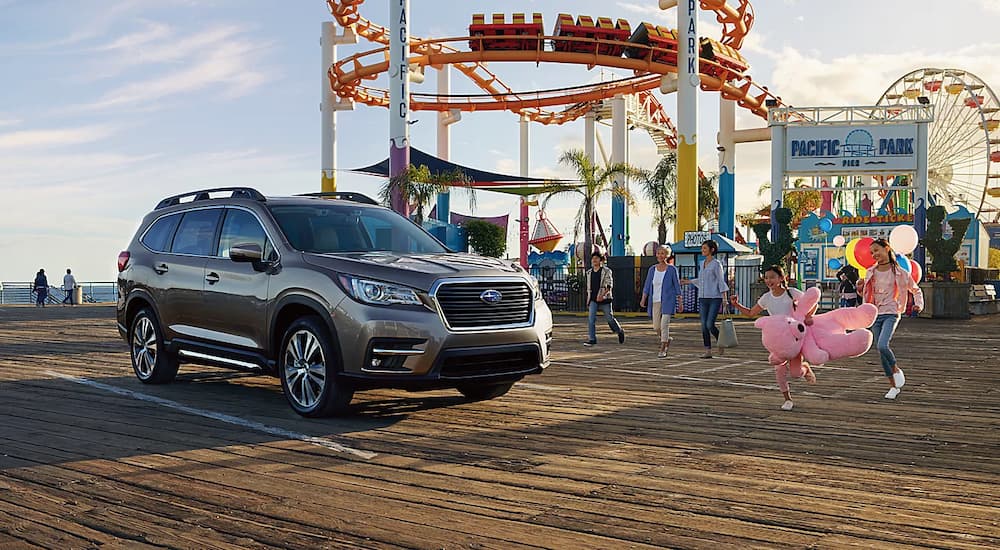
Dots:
pixel 464 309
pixel 489 364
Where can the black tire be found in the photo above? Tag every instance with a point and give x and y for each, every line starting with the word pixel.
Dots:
pixel 483 392
pixel 308 366
pixel 151 362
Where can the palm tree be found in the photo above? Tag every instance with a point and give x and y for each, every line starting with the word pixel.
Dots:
pixel 594 182
pixel 801 203
pixel 419 186
pixel 659 186
pixel 708 197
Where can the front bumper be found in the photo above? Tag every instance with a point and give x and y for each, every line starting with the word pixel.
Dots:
pixel 416 350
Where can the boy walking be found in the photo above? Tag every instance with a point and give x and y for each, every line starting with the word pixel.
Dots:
pixel 599 284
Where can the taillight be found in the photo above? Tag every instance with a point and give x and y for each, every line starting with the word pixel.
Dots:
pixel 123 257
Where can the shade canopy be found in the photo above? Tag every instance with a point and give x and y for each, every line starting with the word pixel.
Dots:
pixel 491 181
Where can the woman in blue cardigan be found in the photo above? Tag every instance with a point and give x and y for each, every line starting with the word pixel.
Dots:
pixel 664 285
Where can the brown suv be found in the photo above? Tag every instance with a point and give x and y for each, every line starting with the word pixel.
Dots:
pixel 330 294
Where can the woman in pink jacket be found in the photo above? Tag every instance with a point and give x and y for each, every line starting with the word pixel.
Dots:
pixel 887 285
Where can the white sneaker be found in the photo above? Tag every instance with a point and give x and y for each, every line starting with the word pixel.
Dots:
pixel 662 354
pixel 787 405
pixel 892 393
pixel 898 378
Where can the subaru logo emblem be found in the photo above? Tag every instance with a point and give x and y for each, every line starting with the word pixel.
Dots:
pixel 491 296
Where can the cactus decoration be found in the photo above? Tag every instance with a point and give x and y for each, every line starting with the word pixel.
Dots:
pixel 775 252
pixel 943 250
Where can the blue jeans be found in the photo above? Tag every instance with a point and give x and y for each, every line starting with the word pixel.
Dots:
pixel 708 311
pixel 882 329
pixel 848 302
pixel 609 316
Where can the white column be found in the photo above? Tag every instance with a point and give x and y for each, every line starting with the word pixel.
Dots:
pixel 688 83
pixel 444 141
pixel 619 129
pixel 329 104
pixel 589 123
pixel 777 173
pixel 727 167
pixel 524 146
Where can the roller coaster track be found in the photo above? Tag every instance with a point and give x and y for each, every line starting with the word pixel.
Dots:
pixel 347 74
pixel 736 22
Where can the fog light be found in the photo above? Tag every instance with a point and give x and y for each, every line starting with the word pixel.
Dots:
pixel 376 362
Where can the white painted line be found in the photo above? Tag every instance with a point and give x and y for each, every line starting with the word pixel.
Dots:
pixel 760 372
pixel 543 387
pixel 250 424
pixel 721 367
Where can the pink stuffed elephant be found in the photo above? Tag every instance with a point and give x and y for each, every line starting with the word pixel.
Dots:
pixel 790 339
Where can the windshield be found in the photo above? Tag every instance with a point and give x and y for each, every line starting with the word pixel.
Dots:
pixel 332 228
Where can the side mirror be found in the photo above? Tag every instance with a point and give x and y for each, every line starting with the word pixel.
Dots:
pixel 246 252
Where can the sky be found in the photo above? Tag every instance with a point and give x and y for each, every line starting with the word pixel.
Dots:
pixel 107 106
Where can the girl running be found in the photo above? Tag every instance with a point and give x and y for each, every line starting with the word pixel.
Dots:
pixel 781 300
pixel 886 285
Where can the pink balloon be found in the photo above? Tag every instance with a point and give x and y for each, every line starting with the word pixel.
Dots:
pixel 915 272
pixel 839 240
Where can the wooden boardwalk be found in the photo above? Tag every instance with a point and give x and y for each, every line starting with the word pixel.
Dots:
pixel 610 448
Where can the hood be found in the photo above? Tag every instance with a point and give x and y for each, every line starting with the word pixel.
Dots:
pixel 414 270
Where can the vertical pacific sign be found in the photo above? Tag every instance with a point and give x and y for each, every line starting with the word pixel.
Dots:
pixel 399 96
pixel 692 40
pixel 688 82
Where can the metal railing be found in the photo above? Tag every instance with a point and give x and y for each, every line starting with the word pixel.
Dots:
pixel 21 292
pixel 565 291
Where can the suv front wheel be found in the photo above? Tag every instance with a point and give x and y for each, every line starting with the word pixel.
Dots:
pixel 309 371
pixel 151 361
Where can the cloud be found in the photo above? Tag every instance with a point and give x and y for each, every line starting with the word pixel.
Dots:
pixel 53 138
pixel 216 58
pixel 8 121
pixel 151 32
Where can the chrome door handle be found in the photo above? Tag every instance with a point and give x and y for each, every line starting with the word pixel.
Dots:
pixel 212 278
pixel 161 269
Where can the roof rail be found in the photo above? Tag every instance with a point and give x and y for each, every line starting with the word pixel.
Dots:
pixel 204 194
pixel 343 196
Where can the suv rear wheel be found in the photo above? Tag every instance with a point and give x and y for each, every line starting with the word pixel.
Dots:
pixel 151 361
pixel 480 392
pixel 309 371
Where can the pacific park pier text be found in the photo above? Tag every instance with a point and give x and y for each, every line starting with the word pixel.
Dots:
pixel 833 148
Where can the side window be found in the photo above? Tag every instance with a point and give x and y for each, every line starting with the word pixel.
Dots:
pixel 241 227
pixel 157 237
pixel 196 233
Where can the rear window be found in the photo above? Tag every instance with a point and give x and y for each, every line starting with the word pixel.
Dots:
pixel 333 228
pixel 196 233
pixel 157 237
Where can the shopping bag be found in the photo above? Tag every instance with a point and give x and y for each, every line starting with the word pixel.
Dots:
pixel 727 335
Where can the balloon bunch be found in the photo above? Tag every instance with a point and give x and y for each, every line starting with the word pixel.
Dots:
pixel 903 239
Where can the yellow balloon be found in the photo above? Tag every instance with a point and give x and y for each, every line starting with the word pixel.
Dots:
pixel 862 272
pixel 849 254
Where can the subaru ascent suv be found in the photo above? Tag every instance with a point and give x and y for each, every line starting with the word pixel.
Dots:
pixel 331 294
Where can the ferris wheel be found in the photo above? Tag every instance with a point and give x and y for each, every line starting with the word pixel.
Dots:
pixel 963 140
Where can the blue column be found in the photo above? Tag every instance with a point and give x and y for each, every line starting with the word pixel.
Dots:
pixel 727 203
pixel 444 207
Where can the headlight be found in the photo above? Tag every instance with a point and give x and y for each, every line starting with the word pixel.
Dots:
pixel 378 292
pixel 536 291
